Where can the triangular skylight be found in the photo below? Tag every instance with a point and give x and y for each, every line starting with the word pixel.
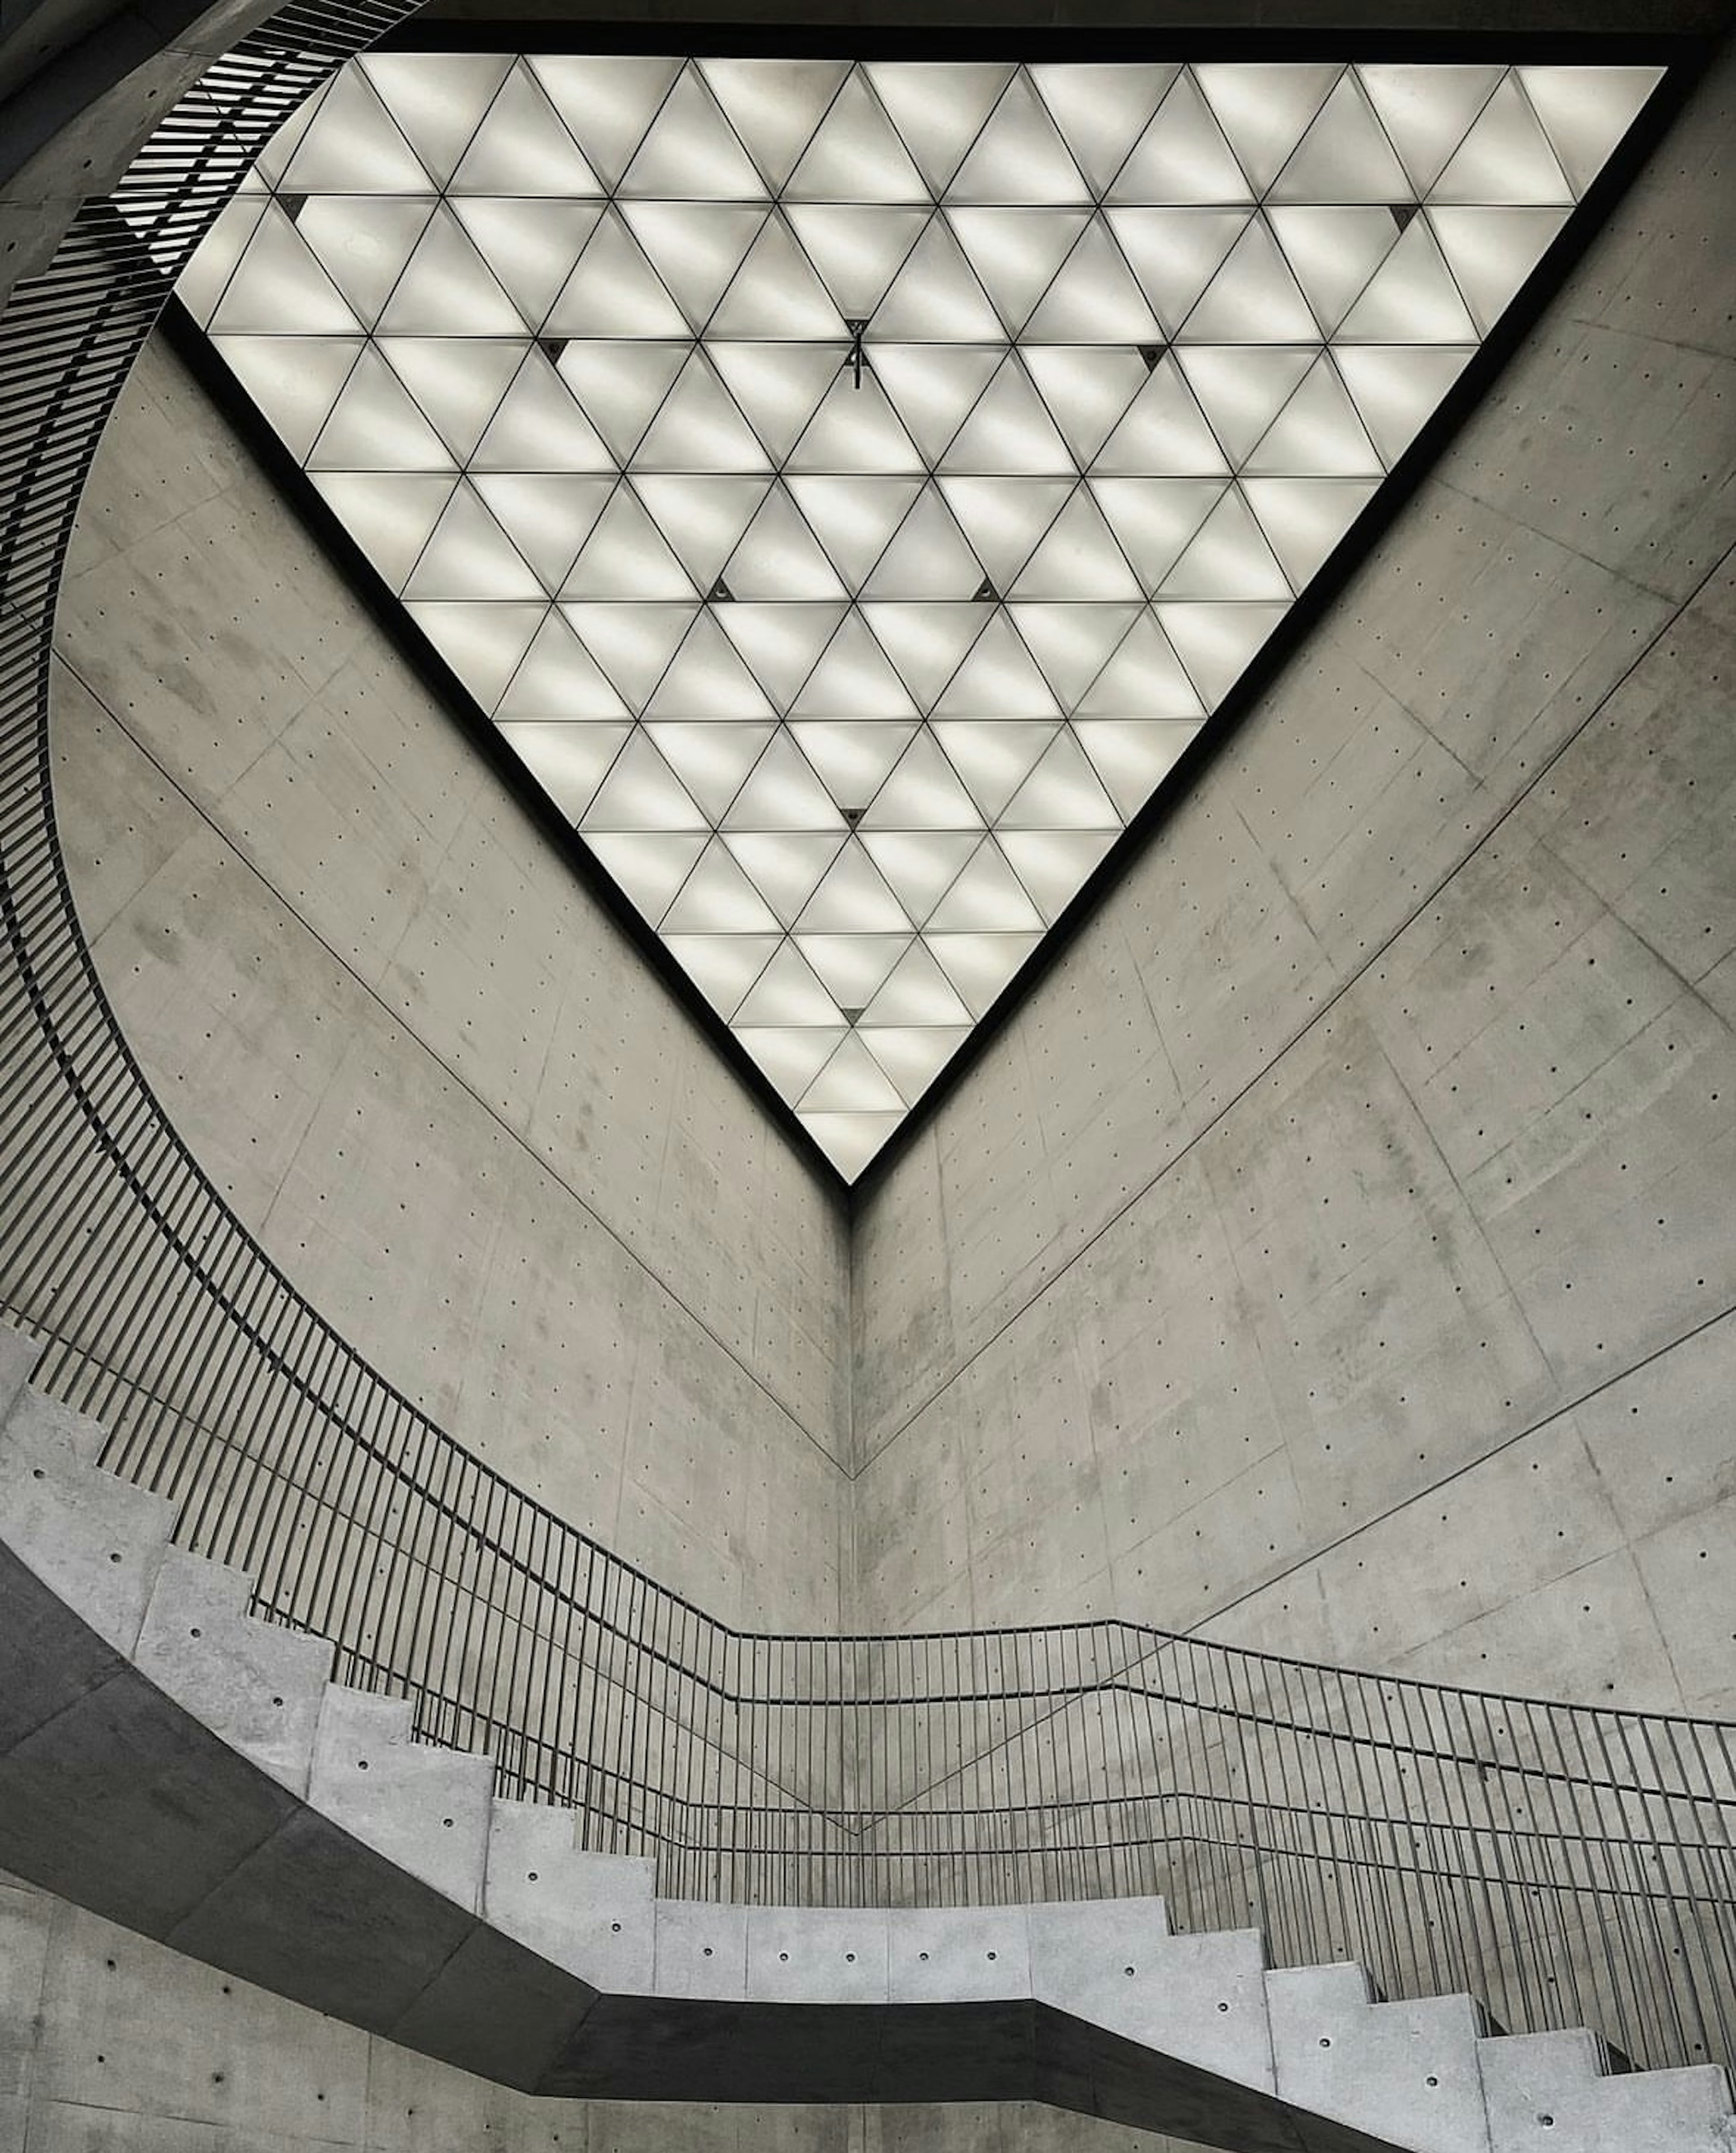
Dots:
pixel 849 487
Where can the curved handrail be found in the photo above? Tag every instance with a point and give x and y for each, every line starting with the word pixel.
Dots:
pixel 1563 1861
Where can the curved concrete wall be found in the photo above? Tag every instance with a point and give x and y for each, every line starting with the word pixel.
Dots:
pixel 1337 1251
pixel 421 1063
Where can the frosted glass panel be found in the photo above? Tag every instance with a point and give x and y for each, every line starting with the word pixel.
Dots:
pixel 849 488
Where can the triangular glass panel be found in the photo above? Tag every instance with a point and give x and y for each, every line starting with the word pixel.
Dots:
pixel 857 248
pixel 852 756
pixel 1491 251
pixel 619 385
pixel 521 148
pixel 1182 157
pixel 786 867
pixel 923 793
pixel 627 557
pixel 1317 432
pixel 998 678
pixel 1216 642
pixel 1505 157
pixel 853 518
pixel 987 899
pixel 1077 558
pixel 981 966
pixel 1304 518
pixel 853 967
pixel 779 557
pixel 712 761
pixel 568 760
pixel 1154 519
pixel 935 297
pixel 1265 108
pixel 703 516
pixel 853 680
pixel 1229 558
pixel 699 428
pixel 780 641
pixel 774 106
pixel 1396 387
pixel 690 152
pixel 928 556
pixel 776 294
pixel 852 899
pixel 532 246
pixel 855 430
pixel 1411 298
pixel 483 645
pixel 632 643
pixel 614 290
pixel 642 793
pixel 1252 299
pixel 545 514
pixel 295 380
pixel 932 386
pixel 559 678
pixel 718 898
pixel 1346 156
pixel 937 108
pixel 1134 756
pixel 783 793
pixel 925 640
pixel 607 102
pixel 1072 644
pixel 1063 792
pixel 376 425
pixel 468 556
pixel 856 154
pixel 1008 433
pixel 1004 519
pixel 205 278
pixel 993 757
pixel 777 386
pixel 539 427
pixel 1144 677
pixel 852 1082
pixel 694 248
pixel 1086 392
pixel 1020 156
pixel 436 100
pixel 916 991
pixel 919 865
pixel 447 281
pixel 707 679
pixel 1241 388
pixel 1587 110
pixel 793 1055
pixel 1426 110
pixel 1054 865
pixel 1175 253
pixel 723 967
pixel 1016 253
pixel 1102 109
pixel 649 865
pixel 788 992
pixel 1333 251
pixel 279 279
pixel 1094 298
pixel 389 514
pixel 350 145
pixel 913 1056
pixel 1164 434
pixel 458 386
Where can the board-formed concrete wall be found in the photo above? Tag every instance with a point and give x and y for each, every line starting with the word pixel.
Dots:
pixel 418 1060
pixel 1338 1253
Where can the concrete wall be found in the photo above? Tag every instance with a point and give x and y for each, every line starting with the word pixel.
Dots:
pixel 421 1063
pixel 1336 1252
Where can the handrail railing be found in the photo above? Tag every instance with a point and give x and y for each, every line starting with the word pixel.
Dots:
pixel 1564 1863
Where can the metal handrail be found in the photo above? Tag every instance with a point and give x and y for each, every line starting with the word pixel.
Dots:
pixel 1564 1863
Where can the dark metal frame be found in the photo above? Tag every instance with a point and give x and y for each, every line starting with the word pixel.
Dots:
pixel 1684 58
pixel 1564 1863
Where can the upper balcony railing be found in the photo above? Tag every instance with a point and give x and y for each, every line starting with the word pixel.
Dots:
pixel 1567 1864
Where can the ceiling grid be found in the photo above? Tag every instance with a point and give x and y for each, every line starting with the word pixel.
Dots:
pixel 849 486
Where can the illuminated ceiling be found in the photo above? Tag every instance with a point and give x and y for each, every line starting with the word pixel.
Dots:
pixel 848 488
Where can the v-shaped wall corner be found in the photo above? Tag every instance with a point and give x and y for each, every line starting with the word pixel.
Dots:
pixel 848 487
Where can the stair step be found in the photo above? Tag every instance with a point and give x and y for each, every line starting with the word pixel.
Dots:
pixel 1546 2094
pixel 1200 1998
pixel 424 1809
pixel 594 1914
pixel 1405 2070
pixel 258 1686
pixel 95 1541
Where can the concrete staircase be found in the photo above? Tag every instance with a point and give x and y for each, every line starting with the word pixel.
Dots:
pixel 193 1772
